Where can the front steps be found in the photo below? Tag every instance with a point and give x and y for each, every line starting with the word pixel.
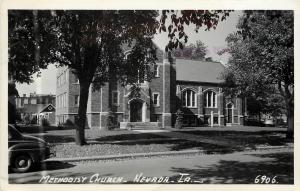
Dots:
pixel 140 125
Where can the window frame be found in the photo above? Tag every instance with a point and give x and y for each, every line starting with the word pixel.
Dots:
pixel 158 99
pixel 113 93
pixel 190 99
pixel 156 71
pixel 211 102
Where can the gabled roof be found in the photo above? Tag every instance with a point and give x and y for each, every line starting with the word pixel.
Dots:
pixel 48 108
pixel 199 71
pixel 37 108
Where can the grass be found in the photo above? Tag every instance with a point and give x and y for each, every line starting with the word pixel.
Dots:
pixel 72 150
pixel 119 142
pixel 246 139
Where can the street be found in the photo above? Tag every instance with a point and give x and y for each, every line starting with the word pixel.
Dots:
pixel 235 168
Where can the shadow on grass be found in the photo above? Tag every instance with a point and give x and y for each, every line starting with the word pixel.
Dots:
pixel 179 145
pixel 41 129
pixel 129 137
pixel 56 138
pixel 231 133
pixel 236 172
pixel 246 139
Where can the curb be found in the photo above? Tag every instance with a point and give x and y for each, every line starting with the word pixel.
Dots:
pixel 123 141
pixel 169 153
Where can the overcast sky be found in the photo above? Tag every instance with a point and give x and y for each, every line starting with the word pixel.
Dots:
pixel 213 39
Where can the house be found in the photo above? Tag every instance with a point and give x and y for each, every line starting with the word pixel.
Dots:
pixel 40 114
pixel 35 107
pixel 193 86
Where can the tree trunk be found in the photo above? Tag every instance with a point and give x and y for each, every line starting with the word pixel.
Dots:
pixel 80 123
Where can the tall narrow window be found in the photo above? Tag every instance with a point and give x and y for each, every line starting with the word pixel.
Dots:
pixel 189 98
pixel 210 99
pixel 156 70
pixel 115 98
pixel 156 99
pixel 76 100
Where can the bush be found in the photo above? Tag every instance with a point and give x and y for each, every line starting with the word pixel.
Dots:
pixel 45 122
pixel 179 119
pixel 111 121
pixel 68 123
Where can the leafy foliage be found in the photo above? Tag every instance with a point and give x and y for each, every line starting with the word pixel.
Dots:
pixel 262 60
pixel 28 44
pixel 192 51
pixel 179 19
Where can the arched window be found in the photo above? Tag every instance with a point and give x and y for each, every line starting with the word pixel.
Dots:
pixel 210 99
pixel 189 98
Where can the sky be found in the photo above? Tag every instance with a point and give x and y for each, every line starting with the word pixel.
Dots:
pixel 213 39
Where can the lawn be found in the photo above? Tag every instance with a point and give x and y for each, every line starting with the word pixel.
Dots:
pixel 117 142
pixel 143 146
pixel 246 138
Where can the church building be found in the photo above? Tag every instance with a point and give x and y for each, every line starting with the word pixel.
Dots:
pixel 195 87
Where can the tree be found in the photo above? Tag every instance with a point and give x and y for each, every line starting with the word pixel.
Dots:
pixel 27 52
pixel 179 19
pixel 90 43
pixel 193 52
pixel 262 60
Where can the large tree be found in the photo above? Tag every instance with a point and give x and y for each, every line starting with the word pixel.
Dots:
pixel 262 60
pixel 192 51
pixel 90 43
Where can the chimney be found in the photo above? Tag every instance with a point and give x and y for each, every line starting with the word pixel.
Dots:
pixel 24 95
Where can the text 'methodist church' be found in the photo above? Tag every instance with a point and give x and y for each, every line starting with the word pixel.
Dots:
pixel 193 86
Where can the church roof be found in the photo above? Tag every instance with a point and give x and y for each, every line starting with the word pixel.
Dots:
pixel 199 71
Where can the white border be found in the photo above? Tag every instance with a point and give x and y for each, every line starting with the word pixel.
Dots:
pixel 137 4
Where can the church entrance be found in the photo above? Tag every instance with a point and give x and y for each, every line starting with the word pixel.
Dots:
pixel 136 110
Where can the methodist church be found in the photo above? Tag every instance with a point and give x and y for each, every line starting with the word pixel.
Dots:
pixel 195 87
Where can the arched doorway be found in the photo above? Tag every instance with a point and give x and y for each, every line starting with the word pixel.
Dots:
pixel 136 110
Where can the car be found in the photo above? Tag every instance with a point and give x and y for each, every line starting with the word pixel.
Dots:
pixel 25 151
pixel 269 122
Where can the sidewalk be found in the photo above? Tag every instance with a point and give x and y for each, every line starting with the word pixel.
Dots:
pixel 168 153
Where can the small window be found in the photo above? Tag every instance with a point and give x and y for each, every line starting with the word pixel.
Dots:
pixel 156 70
pixel 156 99
pixel 76 100
pixel 115 98
pixel 189 98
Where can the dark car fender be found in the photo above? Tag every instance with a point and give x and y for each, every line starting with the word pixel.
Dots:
pixel 36 151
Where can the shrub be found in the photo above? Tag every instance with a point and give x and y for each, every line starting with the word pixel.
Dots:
pixel 179 119
pixel 111 121
pixel 68 123
pixel 45 122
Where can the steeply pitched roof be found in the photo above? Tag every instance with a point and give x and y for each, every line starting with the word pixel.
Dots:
pixel 199 71
pixel 34 108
